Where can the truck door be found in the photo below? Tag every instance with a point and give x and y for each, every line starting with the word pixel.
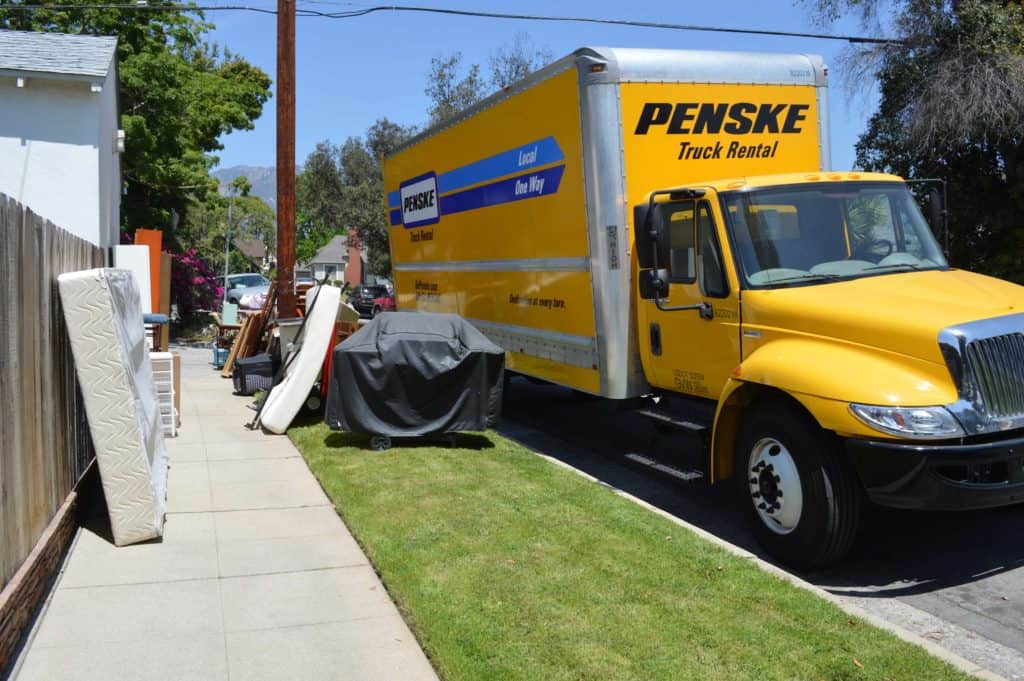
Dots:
pixel 689 351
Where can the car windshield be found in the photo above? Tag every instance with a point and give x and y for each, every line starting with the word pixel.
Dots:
pixel 826 232
pixel 248 280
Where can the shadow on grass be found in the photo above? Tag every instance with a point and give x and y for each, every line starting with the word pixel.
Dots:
pixel 474 441
pixel 307 418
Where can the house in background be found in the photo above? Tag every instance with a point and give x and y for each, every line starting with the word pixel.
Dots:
pixel 255 251
pixel 60 144
pixel 342 259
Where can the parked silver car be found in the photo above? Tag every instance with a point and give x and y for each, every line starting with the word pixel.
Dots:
pixel 247 290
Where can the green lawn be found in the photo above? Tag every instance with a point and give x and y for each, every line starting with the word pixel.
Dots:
pixel 509 567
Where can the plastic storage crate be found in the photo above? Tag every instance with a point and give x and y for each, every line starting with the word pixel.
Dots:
pixel 253 373
pixel 163 379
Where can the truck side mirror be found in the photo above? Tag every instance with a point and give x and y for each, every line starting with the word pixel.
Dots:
pixel 653 284
pixel 650 233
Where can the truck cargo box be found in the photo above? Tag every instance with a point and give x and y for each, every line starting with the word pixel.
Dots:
pixel 517 214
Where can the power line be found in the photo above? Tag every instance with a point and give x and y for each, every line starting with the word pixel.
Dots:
pixel 351 14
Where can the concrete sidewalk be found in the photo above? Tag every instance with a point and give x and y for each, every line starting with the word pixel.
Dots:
pixel 256 576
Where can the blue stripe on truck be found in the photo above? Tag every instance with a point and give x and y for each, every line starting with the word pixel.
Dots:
pixel 525 186
pixel 531 155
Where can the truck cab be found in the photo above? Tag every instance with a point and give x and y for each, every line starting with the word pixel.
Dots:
pixel 845 359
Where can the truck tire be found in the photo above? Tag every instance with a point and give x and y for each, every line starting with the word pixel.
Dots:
pixel 801 490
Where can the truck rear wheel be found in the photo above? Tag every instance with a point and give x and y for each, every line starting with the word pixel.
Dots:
pixel 801 490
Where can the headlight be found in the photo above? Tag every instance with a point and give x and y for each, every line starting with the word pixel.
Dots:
pixel 923 423
pixel 245 300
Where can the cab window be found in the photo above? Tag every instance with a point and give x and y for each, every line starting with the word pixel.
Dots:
pixel 870 225
pixel 682 256
pixel 712 273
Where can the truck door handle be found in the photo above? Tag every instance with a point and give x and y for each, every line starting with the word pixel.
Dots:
pixel 704 309
pixel 655 339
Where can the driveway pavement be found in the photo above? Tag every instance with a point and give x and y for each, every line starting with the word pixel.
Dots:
pixel 954 578
pixel 255 578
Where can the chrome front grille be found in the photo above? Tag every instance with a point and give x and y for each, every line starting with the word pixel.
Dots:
pixel 997 366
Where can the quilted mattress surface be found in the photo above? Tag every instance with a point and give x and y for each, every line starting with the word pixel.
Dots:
pixel 104 317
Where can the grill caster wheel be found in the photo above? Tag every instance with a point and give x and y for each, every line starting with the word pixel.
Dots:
pixel 379 443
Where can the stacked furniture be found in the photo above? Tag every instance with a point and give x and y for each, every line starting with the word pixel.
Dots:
pixel 163 380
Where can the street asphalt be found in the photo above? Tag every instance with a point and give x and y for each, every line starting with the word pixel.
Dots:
pixel 955 578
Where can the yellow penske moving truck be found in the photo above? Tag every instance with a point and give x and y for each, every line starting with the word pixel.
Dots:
pixel 661 227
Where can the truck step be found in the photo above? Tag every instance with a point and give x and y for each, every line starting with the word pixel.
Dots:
pixel 662 417
pixel 684 474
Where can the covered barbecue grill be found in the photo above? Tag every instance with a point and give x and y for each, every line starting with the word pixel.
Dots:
pixel 409 374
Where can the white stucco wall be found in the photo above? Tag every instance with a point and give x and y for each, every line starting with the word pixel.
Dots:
pixel 57 156
pixel 110 160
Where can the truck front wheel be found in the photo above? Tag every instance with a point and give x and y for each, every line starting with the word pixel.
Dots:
pixel 798 484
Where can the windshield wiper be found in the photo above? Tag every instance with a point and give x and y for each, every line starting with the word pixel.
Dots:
pixel 815 276
pixel 909 266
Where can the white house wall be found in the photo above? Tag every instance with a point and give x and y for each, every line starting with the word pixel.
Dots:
pixel 320 269
pixel 110 162
pixel 50 153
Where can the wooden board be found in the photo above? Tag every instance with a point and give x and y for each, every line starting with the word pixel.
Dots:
pixel 252 339
pixel 165 299
pixel 247 342
pixel 153 238
pixel 233 354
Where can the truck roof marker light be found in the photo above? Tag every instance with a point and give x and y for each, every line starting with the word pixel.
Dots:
pixel 853 176
pixel 812 178
pixel 736 185
pixel 598 68
pixel 835 176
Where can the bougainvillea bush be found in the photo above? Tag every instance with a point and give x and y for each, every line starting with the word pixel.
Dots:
pixel 193 285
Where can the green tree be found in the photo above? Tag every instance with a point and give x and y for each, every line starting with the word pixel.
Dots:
pixel 449 91
pixel 513 61
pixel 206 224
pixel 367 204
pixel 341 188
pixel 318 201
pixel 952 106
pixel 178 96
pixel 240 186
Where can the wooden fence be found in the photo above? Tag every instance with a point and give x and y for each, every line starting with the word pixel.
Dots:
pixel 44 438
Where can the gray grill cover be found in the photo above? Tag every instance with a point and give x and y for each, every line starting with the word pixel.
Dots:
pixel 412 374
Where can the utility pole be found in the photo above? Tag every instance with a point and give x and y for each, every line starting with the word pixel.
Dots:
pixel 285 158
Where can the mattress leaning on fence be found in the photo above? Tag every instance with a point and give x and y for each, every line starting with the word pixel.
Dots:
pixel 104 319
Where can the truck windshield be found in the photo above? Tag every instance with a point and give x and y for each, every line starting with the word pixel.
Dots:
pixel 815 233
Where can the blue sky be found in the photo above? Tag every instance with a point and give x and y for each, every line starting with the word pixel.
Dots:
pixel 351 72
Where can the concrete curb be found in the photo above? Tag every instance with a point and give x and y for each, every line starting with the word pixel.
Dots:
pixel 934 649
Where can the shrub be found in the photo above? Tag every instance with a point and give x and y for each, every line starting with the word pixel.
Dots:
pixel 193 286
